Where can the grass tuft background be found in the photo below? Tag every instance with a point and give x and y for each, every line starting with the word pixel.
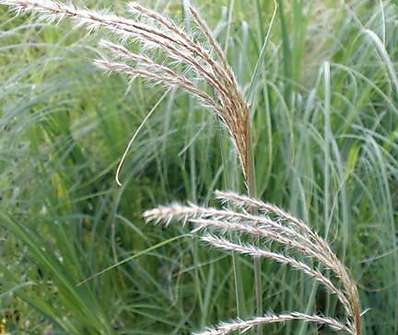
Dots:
pixel 325 105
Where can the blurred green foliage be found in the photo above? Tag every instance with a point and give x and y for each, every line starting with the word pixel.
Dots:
pixel 326 150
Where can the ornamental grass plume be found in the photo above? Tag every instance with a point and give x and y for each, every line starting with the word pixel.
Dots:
pixel 189 64
pixel 171 57
pixel 270 223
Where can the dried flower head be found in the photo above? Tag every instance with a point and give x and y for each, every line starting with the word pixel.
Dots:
pixel 200 69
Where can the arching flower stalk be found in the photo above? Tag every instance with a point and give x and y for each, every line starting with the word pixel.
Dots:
pixel 270 223
pixel 205 75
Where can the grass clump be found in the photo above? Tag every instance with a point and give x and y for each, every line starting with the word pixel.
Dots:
pixel 329 157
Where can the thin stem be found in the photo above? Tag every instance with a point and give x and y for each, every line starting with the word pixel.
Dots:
pixel 133 138
pixel 252 192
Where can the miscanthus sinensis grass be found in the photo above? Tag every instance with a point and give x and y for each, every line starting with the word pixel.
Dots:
pixel 198 65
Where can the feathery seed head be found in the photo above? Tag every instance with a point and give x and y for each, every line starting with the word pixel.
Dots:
pixel 287 231
pixel 154 30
